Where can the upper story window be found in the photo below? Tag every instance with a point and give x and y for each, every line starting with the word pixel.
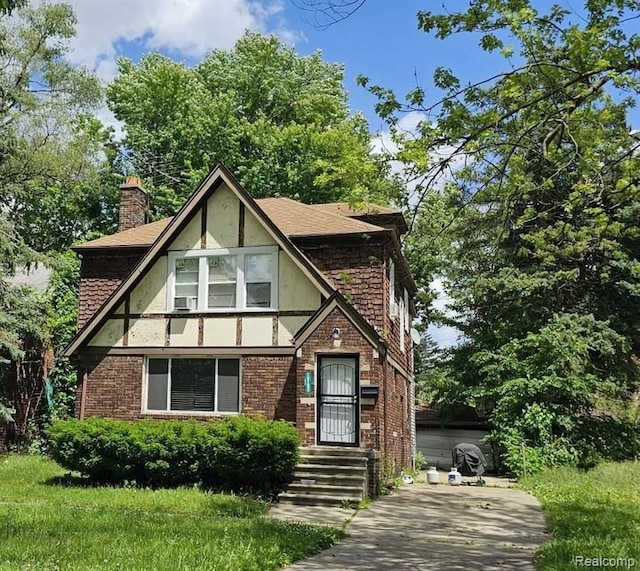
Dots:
pixel 218 280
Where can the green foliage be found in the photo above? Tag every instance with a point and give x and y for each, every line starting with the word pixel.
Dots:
pixel 62 297
pixel 110 528
pixel 236 453
pixel 535 172
pixel 594 514
pixel 279 121
pixel 421 461
pixel 51 150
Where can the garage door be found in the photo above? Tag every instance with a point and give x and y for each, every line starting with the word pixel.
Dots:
pixel 436 444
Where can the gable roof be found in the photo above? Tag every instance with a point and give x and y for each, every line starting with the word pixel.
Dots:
pixel 293 218
pixel 337 300
pixel 344 209
pixel 297 219
pixel 219 175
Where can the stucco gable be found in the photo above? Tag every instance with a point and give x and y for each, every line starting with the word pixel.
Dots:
pixel 180 232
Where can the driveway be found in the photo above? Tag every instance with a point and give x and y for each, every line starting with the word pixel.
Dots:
pixel 422 527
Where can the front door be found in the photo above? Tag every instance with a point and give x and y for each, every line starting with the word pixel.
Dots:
pixel 338 421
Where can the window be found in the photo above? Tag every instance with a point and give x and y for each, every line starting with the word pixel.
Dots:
pixel 223 277
pixel 219 280
pixel 393 303
pixel 258 272
pixel 193 385
pixel 407 309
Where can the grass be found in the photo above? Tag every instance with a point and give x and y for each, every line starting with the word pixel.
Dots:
pixel 50 522
pixel 594 514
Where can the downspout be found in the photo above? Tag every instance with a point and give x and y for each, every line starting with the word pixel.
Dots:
pixel 385 324
pixel 83 397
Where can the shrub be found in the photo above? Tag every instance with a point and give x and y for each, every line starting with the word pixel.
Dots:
pixel 238 453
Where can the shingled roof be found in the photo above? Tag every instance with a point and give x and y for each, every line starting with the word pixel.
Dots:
pixel 293 218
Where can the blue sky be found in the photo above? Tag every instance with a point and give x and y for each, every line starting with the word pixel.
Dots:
pixel 380 41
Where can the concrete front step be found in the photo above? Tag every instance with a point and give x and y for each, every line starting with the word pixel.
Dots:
pixel 333 451
pixel 316 499
pixel 331 469
pixel 300 477
pixel 325 490
pixel 328 475
pixel 333 460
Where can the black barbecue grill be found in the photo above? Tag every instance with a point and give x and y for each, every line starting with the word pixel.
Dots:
pixel 469 460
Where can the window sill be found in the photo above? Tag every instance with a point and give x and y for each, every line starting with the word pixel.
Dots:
pixel 171 413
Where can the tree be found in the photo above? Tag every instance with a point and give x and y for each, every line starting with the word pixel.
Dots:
pixel 279 121
pixel 540 168
pixel 51 165
pixel 51 175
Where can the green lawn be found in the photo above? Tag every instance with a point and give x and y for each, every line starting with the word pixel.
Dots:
pixel 47 525
pixel 593 515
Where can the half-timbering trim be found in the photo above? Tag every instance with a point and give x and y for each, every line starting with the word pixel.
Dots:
pixel 215 314
pixel 126 351
pixel 203 226
pixel 218 176
pixel 127 320
pixel 241 215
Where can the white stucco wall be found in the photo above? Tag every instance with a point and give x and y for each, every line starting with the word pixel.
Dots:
pixel 287 327
pixel 219 332
pixel 183 332
pixel 110 335
pixel 255 233
pixel 257 331
pixel 150 295
pixel 223 212
pixel 189 238
pixel 295 290
pixel 147 332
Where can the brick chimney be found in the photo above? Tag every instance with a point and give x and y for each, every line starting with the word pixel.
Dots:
pixel 133 204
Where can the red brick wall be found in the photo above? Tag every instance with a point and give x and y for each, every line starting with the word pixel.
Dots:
pixel 114 387
pixel 268 387
pixel 392 325
pixel 100 275
pixel 357 270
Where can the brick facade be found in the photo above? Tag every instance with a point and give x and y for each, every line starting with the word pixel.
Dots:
pixel 357 270
pixel 268 387
pixel 113 387
pixel 100 275
pixel 274 386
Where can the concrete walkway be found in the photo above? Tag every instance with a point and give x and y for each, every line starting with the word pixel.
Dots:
pixel 421 527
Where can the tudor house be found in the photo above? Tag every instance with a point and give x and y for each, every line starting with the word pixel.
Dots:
pixel 260 307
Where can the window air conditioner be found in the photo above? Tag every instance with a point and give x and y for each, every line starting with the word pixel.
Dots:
pixel 183 303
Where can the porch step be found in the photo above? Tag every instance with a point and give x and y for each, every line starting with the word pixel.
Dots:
pixel 306 489
pixel 347 470
pixel 333 451
pixel 316 500
pixel 359 481
pixel 328 476
pixel 333 460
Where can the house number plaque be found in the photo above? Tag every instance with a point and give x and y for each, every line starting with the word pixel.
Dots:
pixel 308 382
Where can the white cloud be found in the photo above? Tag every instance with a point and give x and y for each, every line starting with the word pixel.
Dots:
pixel 185 28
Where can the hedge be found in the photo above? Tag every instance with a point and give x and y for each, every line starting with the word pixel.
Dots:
pixel 237 453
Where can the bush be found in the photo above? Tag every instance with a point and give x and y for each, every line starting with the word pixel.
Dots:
pixel 238 453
